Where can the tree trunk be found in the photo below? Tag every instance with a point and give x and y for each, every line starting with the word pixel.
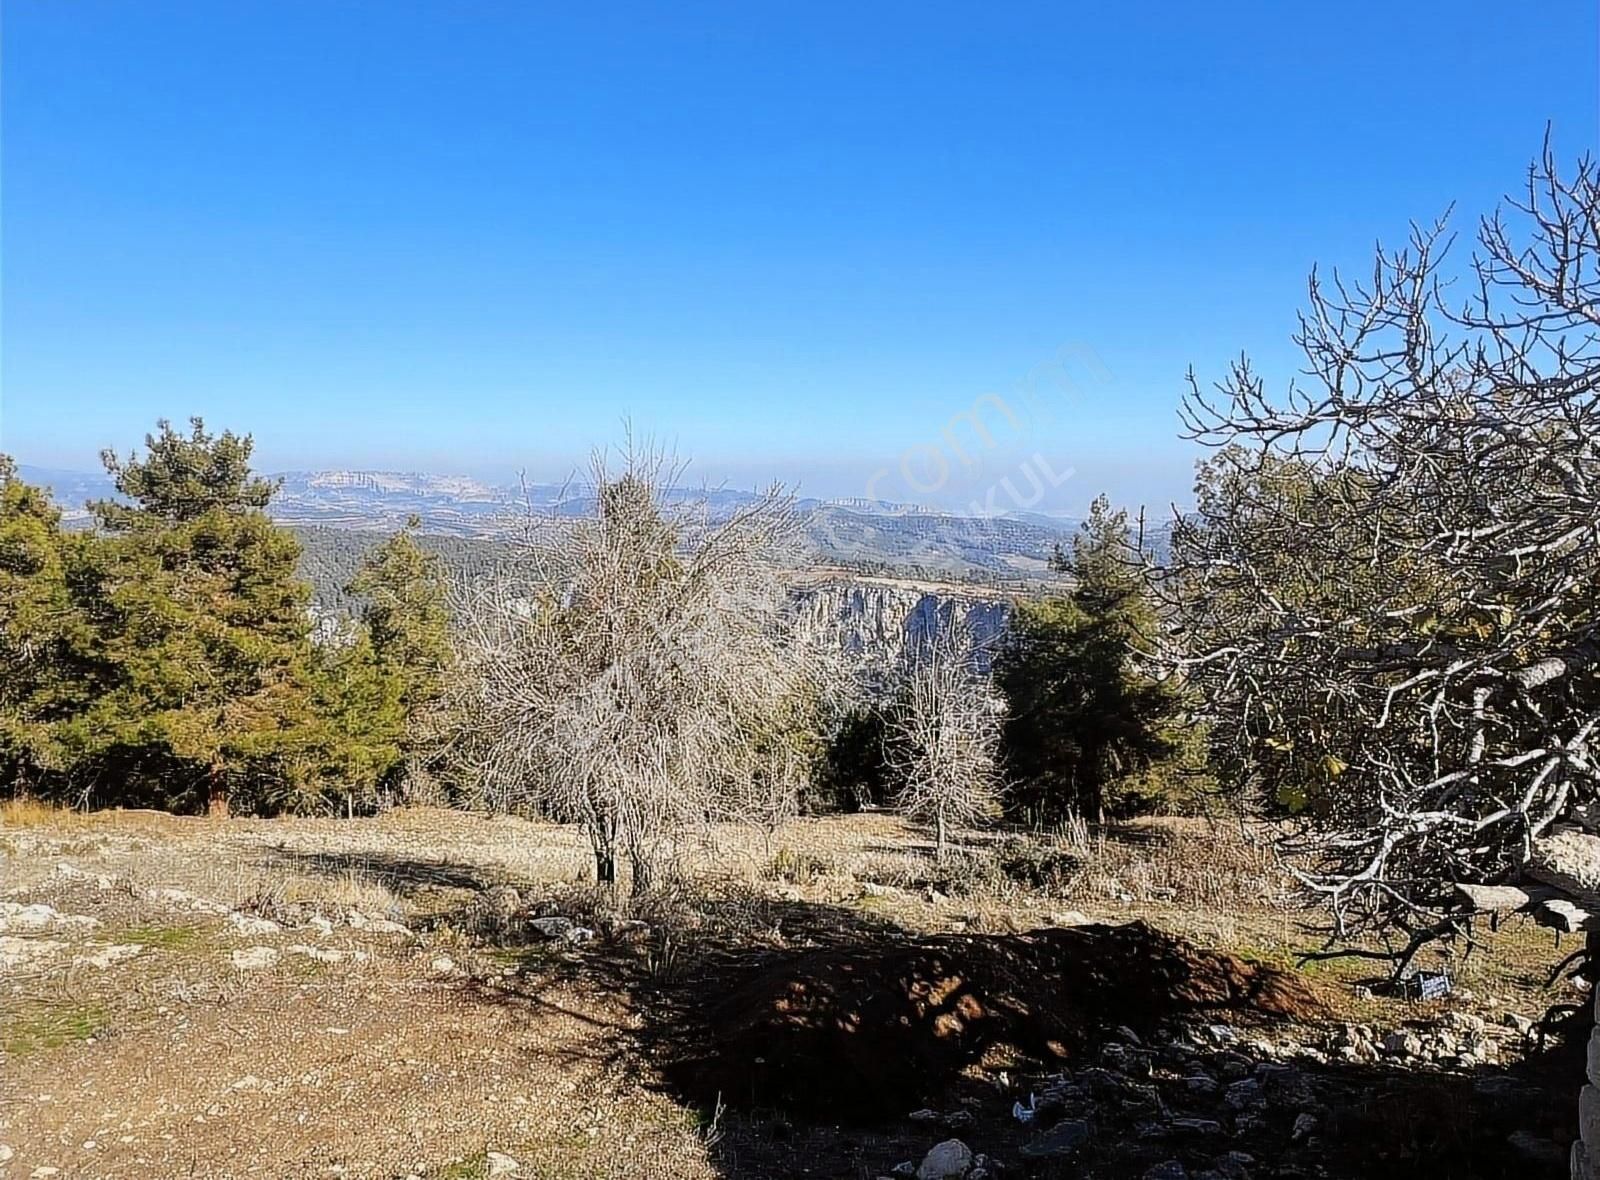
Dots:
pixel 217 797
pixel 938 835
pixel 643 873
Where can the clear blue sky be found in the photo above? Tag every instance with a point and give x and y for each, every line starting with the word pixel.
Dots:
pixel 793 238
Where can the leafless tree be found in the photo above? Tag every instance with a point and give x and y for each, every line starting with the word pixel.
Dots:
pixel 629 667
pixel 1387 596
pixel 944 733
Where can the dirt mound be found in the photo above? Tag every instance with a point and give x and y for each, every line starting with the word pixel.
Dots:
pixel 868 1028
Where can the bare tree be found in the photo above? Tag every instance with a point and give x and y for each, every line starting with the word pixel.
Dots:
pixel 944 734
pixel 629 667
pixel 1387 596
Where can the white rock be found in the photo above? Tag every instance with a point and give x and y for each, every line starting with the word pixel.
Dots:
pixel 252 926
pixel 373 924
pixel 442 965
pixel 501 1164
pixel 6 1153
pixel 945 1161
pixel 108 955
pixel 179 899
pixel 327 954
pixel 16 916
pixel 1070 918
pixel 1568 859
pixel 15 952
pixel 254 958
pixel 73 873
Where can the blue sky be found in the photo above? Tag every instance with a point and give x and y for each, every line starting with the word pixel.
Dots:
pixel 792 239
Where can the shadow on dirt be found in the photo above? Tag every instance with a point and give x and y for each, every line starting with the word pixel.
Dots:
pixel 806 1034
pixel 404 875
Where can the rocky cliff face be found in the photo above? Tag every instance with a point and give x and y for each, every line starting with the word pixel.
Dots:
pixel 877 619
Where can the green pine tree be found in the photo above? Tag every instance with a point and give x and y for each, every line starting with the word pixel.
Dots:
pixel 1087 730
pixel 402 589
pixel 199 622
pixel 40 680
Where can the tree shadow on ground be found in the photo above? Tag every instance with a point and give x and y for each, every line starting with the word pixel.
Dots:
pixel 404 875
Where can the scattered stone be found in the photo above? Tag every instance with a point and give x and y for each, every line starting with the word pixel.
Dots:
pixel 1245 1095
pixel 1519 1024
pixel 1402 1044
pixel 1062 1139
pixel 959 1120
pixel 1543 1152
pixel 254 958
pixel 442 965
pixel 1200 1086
pixel 321 925
pixel 1200 1128
pixel 904 1170
pixel 924 1116
pixel 946 1161
pixel 1305 1124
pixel 248 1082
pixel 6 1153
pixel 552 927
pixel 1071 918
pixel 1167 1170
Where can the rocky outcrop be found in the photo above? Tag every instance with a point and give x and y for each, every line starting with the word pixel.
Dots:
pixel 877 620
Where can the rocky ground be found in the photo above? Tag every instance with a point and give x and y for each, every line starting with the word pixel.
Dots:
pixel 437 995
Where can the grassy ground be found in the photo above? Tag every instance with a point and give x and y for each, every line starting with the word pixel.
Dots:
pixel 136 1041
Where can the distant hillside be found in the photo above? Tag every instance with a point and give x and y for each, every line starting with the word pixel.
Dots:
pixel 860 534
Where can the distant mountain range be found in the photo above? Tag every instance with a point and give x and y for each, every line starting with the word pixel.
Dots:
pixel 859 533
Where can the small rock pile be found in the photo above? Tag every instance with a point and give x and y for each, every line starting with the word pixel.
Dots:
pixel 1203 1104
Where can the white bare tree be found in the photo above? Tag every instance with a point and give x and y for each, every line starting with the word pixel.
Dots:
pixel 944 735
pixel 1388 595
pixel 629 667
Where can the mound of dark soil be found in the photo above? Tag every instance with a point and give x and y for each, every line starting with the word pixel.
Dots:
pixel 868 1028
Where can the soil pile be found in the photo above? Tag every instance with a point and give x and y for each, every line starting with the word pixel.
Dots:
pixel 868 1028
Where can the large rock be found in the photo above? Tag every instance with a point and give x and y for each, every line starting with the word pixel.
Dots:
pixel 946 1161
pixel 1569 860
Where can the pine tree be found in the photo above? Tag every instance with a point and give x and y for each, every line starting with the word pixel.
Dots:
pixel 199 620
pixel 1087 730
pixel 39 679
pixel 404 610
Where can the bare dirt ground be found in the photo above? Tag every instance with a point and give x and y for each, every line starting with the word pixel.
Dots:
pixel 400 996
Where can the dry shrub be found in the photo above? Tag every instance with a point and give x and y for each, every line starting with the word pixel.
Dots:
pixel 800 867
pixel 288 896
pixel 1199 863
pixel 24 811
